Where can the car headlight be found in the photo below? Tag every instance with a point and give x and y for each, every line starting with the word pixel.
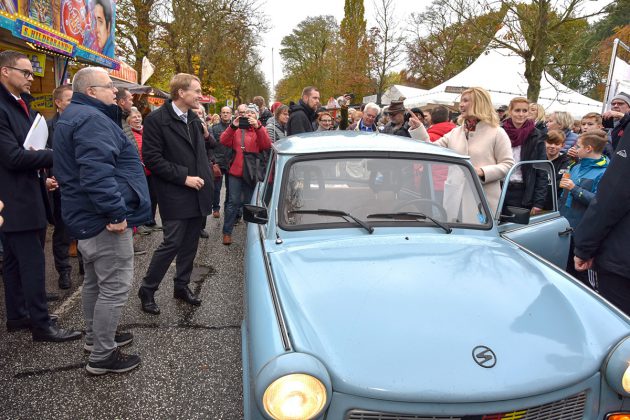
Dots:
pixel 293 386
pixel 295 397
pixel 617 368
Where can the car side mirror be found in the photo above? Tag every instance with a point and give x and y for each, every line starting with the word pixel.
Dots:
pixel 516 215
pixel 255 214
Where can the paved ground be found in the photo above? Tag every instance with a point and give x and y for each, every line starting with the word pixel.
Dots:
pixel 191 356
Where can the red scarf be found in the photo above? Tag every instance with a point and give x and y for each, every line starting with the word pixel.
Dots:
pixel 518 136
pixel 470 125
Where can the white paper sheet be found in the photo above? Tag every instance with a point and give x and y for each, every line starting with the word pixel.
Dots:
pixel 37 135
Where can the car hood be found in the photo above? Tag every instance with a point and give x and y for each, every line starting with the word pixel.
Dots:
pixel 398 317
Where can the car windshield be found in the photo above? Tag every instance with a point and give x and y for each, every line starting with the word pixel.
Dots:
pixel 380 191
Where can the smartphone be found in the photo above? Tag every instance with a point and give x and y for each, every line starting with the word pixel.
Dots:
pixel 608 123
pixel 243 122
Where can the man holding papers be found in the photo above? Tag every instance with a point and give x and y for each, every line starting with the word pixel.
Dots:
pixel 26 212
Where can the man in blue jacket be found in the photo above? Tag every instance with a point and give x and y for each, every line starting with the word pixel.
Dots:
pixel 103 195
pixel 23 192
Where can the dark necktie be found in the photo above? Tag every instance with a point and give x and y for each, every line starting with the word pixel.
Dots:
pixel 24 107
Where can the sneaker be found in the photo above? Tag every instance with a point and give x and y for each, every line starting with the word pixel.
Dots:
pixel 117 362
pixel 144 230
pixel 120 339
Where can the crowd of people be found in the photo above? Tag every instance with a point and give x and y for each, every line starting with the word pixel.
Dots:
pixel 112 170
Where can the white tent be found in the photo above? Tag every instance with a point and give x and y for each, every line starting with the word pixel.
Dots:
pixel 394 93
pixel 501 72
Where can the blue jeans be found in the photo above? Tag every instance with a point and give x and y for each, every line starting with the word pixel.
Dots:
pixel 239 193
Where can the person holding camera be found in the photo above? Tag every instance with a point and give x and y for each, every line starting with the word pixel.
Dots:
pixel 246 135
pixel 618 118
pixel 399 120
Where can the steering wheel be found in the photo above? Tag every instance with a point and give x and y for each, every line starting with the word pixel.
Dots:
pixel 416 201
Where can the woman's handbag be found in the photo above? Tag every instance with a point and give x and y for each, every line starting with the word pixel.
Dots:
pixel 253 168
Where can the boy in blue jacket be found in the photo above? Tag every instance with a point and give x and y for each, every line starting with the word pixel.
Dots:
pixel 580 187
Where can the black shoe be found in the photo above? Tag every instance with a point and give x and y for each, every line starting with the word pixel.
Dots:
pixel 64 280
pixel 81 268
pixel 204 234
pixel 148 303
pixel 117 362
pixel 55 334
pixel 14 325
pixel 121 339
pixel 52 297
pixel 138 251
pixel 186 295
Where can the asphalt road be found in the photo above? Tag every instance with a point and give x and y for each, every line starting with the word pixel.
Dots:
pixel 191 356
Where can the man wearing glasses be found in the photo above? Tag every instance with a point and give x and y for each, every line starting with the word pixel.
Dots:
pixel 104 194
pixel 618 117
pixel 23 191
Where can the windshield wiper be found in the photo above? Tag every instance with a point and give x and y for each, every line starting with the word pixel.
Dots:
pixel 338 213
pixel 408 215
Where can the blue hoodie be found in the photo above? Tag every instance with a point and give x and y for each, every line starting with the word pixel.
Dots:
pixel 98 168
pixel 586 176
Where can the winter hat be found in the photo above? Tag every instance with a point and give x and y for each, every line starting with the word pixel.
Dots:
pixel 275 106
pixel 396 107
pixel 253 107
pixel 622 96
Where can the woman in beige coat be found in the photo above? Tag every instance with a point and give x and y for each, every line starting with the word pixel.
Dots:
pixel 480 137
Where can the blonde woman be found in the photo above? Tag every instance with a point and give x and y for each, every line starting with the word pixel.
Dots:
pixel 537 114
pixel 563 121
pixel 478 136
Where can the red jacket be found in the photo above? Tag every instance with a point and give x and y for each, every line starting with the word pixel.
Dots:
pixel 436 132
pixel 256 140
pixel 138 136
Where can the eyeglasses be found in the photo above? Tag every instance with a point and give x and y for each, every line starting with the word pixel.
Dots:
pixel 617 103
pixel 25 73
pixel 110 85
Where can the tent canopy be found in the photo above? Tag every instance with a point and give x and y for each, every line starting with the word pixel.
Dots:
pixel 394 93
pixel 501 72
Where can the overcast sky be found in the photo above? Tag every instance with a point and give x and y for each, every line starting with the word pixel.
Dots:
pixel 284 15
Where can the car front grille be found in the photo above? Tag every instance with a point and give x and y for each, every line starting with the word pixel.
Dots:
pixel 571 408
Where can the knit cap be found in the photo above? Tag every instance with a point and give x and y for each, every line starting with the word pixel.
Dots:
pixel 622 96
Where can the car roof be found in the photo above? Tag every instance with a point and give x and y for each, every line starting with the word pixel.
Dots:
pixel 352 141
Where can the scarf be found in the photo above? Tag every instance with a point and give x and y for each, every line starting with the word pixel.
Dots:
pixel 471 125
pixel 518 135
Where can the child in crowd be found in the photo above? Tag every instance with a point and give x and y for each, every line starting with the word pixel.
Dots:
pixel 589 123
pixel 554 144
pixel 581 184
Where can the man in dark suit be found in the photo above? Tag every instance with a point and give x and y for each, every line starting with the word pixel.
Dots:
pixel 60 238
pixel 23 191
pixel 173 150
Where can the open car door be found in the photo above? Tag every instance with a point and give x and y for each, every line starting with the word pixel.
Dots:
pixel 547 234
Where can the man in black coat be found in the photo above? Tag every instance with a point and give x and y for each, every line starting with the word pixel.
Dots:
pixel 601 238
pixel 23 191
pixel 302 114
pixel 60 237
pixel 173 150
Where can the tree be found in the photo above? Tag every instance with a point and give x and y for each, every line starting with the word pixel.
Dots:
pixel 308 54
pixel 531 30
pixel 355 45
pixel 385 45
pixel 443 43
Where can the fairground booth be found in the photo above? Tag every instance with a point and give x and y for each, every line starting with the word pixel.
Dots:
pixel 59 36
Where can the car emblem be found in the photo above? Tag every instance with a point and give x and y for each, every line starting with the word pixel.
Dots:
pixel 484 357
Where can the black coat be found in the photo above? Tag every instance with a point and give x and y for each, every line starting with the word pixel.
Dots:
pixel 173 150
pixel 617 132
pixel 535 181
pixel 605 228
pixel 222 155
pixel 22 190
pixel 301 119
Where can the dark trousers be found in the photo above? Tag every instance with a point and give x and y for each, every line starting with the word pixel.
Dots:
pixel 60 237
pixel 216 198
pixel 181 238
pixel 240 192
pixel 514 196
pixel 24 276
pixel 153 198
pixel 615 288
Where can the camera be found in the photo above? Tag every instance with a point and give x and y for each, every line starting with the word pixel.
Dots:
pixel 608 123
pixel 243 122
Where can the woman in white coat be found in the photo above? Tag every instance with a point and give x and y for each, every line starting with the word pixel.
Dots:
pixel 478 136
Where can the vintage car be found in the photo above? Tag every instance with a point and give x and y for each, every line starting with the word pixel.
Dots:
pixel 380 285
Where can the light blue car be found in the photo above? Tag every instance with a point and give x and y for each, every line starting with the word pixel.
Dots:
pixel 379 285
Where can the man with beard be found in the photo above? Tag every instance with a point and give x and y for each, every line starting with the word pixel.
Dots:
pixel 302 114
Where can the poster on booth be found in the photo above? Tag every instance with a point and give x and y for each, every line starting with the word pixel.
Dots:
pixel 91 23
pixel 9 6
